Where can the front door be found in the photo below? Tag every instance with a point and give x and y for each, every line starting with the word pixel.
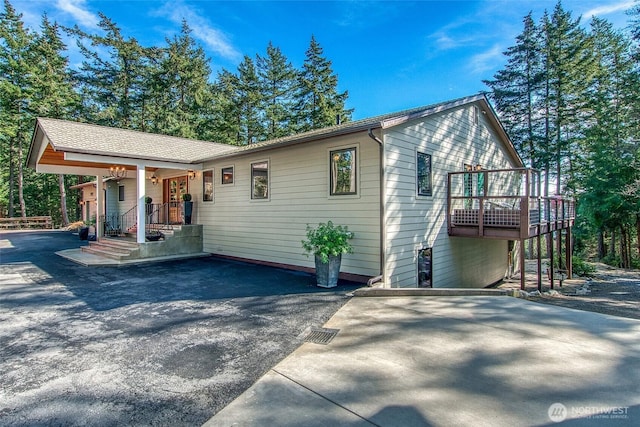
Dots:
pixel 174 188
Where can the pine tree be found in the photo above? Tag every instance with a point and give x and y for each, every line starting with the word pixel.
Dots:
pixel 226 116
pixel 54 97
pixel 568 71
pixel 111 83
pixel 516 92
pixel 318 102
pixel 16 91
pixel 180 87
pixel 278 84
pixel 250 102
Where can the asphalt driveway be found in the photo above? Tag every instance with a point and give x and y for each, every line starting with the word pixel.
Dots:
pixel 158 344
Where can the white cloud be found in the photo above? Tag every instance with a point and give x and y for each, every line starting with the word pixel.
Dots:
pixel 487 60
pixel 213 38
pixel 609 8
pixel 77 9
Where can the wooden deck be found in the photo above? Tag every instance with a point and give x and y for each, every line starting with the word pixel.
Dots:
pixel 503 204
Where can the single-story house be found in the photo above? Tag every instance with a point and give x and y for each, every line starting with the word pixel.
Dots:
pixel 399 181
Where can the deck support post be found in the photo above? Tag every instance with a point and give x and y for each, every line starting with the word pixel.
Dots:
pixel 551 257
pixel 522 265
pixel 539 258
pixel 569 253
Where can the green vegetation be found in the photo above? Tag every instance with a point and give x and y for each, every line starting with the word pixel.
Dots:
pixel 165 89
pixel 568 97
pixel 328 240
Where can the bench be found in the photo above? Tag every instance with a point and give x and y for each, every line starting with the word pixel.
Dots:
pixel 26 222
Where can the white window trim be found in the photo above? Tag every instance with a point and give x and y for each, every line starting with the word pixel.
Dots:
pixel 355 146
pixel 251 163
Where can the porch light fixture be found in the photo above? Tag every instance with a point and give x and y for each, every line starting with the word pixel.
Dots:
pixel 118 172
pixel 191 175
pixel 154 179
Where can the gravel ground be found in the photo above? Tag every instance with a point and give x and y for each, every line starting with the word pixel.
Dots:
pixel 611 291
pixel 164 344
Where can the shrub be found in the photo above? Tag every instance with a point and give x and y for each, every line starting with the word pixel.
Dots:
pixel 328 240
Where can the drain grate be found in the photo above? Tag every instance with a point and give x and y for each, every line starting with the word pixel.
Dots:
pixel 321 335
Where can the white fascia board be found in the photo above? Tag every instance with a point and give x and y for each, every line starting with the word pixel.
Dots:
pixel 130 162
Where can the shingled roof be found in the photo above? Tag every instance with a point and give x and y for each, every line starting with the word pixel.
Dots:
pixel 88 138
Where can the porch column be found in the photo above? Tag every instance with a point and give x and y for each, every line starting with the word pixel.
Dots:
pixel 141 217
pixel 99 207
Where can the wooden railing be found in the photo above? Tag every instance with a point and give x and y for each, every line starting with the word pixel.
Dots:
pixel 503 204
pixel 20 223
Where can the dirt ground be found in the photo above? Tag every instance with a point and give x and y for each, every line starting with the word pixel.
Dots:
pixel 611 291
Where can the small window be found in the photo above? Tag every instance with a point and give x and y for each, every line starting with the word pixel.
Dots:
pixel 227 175
pixel 260 180
pixel 425 268
pixel 121 193
pixel 207 186
pixel 424 175
pixel 476 115
pixel 343 172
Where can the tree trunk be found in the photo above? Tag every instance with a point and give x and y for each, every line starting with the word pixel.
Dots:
pixel 63 201
pixel 23 207
pixel 638 233
pixel 602 250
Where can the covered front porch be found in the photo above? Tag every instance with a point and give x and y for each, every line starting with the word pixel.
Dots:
pixel 144 183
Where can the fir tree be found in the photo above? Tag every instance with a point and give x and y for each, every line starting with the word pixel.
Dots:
pixel 278 81
pixel 318 102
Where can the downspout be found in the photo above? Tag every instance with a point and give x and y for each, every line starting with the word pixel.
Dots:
pixel 382 209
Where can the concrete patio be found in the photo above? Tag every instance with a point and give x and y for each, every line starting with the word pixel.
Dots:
pixel 453 361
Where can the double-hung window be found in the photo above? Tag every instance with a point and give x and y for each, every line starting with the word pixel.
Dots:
pixel 207 186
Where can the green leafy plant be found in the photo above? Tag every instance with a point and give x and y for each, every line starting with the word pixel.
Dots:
pixel 186 197
pixel 328 240
pixel 148 200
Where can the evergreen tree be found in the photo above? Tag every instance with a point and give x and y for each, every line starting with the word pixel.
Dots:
pixel 54 97
pixel 516 92
pixel 250 102
pixel 111 84
pixel 318 102
pixel 226 117
pixel 278 83
pixel 568 71
pixel 16 91
pixel 180 88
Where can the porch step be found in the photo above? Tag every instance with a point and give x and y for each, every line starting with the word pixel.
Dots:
pixel 113 248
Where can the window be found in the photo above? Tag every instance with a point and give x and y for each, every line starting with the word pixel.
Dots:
pixel 343 171
pixel 121 193
pixel 227 175
pixel 476 115
pixel 260 180
pixel 424 174
pixel 207 186
pixel 425 268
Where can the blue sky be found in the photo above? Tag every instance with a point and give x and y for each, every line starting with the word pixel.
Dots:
pixel 389 55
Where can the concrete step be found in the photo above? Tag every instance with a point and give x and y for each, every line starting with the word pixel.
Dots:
pixel 120 256
pixel 116 242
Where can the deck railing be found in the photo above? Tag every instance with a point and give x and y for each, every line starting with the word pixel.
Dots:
pixel 503 203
